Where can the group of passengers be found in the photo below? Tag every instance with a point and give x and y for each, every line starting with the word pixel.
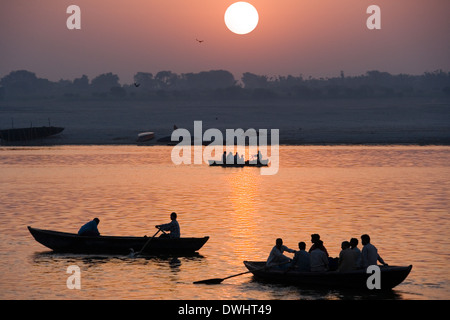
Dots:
pixel 318 260
pixel 239 159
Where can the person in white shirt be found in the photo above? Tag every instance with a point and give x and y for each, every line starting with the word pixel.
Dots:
pixel 354 246
pixel 319 259
pixel 276 256
pixel 230 158
pixel 301 261
pixel 173 227
pixel 314 238
pixel 369 253
pixel 347 258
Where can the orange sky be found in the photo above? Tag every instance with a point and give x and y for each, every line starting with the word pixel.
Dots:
pixel 309 37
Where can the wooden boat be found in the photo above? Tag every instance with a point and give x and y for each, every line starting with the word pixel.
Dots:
pixel 145 136
pixel 73 243
pixel 31 133
pixel 390 277
pixel 216 163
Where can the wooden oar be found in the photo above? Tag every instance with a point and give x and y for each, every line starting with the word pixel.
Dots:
pixel 146 244
pixel 219 280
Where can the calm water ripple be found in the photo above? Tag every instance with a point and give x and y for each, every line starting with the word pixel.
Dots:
pixel 397 194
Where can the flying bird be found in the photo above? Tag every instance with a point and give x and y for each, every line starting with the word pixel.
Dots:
pixel 199 41
pixel 137 84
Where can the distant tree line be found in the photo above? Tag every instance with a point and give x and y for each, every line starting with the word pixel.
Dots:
pixel 221 84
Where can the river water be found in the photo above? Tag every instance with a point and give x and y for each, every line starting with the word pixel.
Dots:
pixel 399 195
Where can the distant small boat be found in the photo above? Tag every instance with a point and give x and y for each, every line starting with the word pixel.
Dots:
pixel 216 163
pixel 31 133
pixel 145 136
pixel 73 243
pixel 168 140
pixel 390 276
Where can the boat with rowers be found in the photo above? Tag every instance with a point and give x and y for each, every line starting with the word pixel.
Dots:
pixel 73 243
pixel 390 277
pixel 248 163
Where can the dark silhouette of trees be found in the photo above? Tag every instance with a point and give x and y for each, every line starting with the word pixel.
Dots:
pixel 221 84
pixel 81 84
pixel 166 80
pixel 104 82
pixel 23 83
pixel 144 80
pixel 213 79
pixel 252 81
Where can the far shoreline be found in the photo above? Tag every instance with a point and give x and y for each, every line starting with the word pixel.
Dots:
pixel 330 122
pixel 48 143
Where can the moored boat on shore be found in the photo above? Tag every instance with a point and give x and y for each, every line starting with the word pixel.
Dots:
pixel 31 133
pixel 145 136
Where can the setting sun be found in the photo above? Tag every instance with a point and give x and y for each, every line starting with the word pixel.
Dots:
pixel 241 17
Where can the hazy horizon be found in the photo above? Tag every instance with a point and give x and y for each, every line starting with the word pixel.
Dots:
pixel 237 77
pixel 317 39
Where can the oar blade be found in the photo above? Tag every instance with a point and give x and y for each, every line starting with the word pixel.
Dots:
pixel 210 281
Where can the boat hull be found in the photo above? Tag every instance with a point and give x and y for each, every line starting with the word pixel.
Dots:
pixel 24 134
pixel 145 136
pixel 390 277
pixel 214 163
pixel 73 243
